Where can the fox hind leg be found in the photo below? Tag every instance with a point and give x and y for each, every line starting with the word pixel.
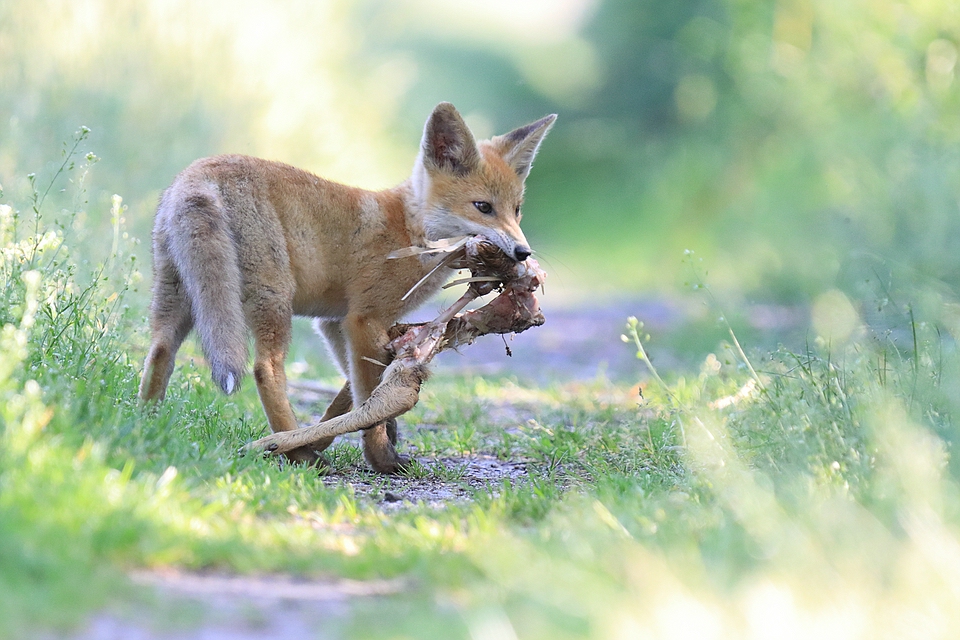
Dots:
pixel 171 319
pixel 271 322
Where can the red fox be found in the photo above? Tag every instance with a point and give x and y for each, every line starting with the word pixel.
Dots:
pixel 242 242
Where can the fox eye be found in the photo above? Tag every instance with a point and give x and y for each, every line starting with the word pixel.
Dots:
pixel 484 207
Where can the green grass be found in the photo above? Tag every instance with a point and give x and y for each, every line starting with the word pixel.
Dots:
pixel 808 492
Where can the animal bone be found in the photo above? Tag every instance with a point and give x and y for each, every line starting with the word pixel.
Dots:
pixel 413 346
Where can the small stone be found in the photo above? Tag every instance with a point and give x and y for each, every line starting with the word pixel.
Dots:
pixel 391 497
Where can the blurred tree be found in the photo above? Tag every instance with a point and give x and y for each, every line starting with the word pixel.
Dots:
pixel 648 50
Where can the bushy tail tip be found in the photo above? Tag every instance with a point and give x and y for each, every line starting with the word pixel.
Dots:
pixel 228 379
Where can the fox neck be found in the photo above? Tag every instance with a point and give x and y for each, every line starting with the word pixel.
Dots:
pixel 422 215
pixel 416 213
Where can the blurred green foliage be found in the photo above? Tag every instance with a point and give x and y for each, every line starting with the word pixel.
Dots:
pixel 785 141
pixel 794 144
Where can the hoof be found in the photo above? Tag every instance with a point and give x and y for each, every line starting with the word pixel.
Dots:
pixel 380 452
pixel 398 464
pixel 304 456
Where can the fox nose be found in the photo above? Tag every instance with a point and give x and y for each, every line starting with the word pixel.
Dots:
pixel 521 252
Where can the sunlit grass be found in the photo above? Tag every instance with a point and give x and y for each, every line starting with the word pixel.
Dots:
pixel 793 493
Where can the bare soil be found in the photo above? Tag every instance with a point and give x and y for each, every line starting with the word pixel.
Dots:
pixel 211 606
pixel 479 471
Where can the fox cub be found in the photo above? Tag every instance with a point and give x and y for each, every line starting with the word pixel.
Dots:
pixel 240 242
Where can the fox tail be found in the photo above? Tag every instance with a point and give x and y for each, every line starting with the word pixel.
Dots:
pixel 204 251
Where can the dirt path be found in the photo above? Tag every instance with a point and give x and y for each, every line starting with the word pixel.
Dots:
pixel 209 606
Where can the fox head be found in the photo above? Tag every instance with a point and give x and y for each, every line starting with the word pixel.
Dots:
pixel 465 187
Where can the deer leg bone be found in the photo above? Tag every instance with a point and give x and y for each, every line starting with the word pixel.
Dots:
pixel 514 310
pixel 396 394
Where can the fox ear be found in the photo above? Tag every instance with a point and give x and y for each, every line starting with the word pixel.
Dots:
pixel 447 143
pixel 520 145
